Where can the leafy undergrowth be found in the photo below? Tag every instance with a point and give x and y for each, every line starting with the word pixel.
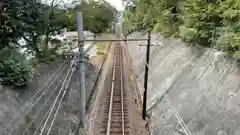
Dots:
pixel 14 72
pixel 101 48
pixel 210 23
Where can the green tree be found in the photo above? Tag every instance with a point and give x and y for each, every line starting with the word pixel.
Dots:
pixel 212 23
pixel 28 20
pixel 98 16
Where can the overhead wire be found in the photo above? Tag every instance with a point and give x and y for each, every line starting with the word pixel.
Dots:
pixel 66 87
pixel 47 114
pixel 43 106
pixel 55 101
pixel 177 115
pixel 37 100
pixel 51 110
pixel 38 91
pixel 35 132
pixel 182 123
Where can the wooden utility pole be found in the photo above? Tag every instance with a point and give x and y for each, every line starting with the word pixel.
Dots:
pixel 144 108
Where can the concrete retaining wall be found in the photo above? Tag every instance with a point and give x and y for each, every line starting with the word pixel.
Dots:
pixel 67 120
pixel 203 85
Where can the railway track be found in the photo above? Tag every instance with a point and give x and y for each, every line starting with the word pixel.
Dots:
pixel 116 120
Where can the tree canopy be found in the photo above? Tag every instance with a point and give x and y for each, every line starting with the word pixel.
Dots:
pixel 98 16
pixel 213 23
pixel 35 22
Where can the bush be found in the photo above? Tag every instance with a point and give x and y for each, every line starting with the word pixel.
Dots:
pixel 227 39
pixel 211 23
pixel 101 48
pixel 236 55
pixel 14 73
pixel 163 28
pixel 46 56
pixel 188 34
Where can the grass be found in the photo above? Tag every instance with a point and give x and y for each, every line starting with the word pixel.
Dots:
pixel 101 48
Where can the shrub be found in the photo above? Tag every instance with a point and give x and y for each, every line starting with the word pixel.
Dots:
pixel 236 55
pixel 187 34
pixel 14 73
pixel 101 48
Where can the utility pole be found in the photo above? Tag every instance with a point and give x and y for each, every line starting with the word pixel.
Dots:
pixel 125 39
pixel 144 112
pixel 81 68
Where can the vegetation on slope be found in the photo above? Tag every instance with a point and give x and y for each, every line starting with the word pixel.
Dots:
pixel 35 22
pixel 101 47
pixel 211 23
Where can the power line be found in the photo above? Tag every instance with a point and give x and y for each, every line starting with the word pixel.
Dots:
pixel 40 110
pixel 35 132
pixel 54 103
pixel 37 100
pixel 185 128
pixel 73 63
pixel 33 96
pixel 59 104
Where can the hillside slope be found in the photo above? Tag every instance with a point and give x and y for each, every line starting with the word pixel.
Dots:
pixel 203 85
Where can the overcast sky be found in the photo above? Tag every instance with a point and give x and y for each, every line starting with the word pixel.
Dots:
pixel 117 4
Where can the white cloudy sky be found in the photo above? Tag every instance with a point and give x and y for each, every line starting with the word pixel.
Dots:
pixel 116 3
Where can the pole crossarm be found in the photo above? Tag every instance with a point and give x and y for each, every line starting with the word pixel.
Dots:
pixel 111 40
pixel 150 45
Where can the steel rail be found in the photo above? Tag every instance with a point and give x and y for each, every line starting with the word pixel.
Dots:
pixel 121 66
pixel 100 77
pixel 111 98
